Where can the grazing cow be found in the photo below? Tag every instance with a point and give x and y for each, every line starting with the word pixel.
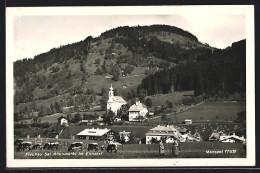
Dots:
pixel 37 146
pixel 51 145
pixel 75 145
pixel 112 147
pixel 24 145
pixel 93 146
pixel 18 141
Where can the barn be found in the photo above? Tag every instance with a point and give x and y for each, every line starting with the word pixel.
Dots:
pixel 96 134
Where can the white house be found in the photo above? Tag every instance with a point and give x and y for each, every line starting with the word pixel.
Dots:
pixel 188 121
pixel 231 138
pixel 160 132
pixel 137 111
pixel 63 121
pixel 125 136
pixel 95 134
pixel 114 102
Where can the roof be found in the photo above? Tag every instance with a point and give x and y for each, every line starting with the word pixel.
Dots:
pixel 164 130
pixel 214 135
pixel 117 99
pixel 93 132
pixel 234 137
pixel 137 108
pixel 183 130
pixel 124 133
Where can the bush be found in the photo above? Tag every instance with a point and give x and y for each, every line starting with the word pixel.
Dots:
pixel 19 126
pixel 45 125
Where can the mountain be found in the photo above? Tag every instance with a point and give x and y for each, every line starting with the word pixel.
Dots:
pixel 78 75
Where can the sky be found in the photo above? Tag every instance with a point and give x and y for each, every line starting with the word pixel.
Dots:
pixel 35 34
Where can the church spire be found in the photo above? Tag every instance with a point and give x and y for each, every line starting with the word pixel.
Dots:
pixel 111 92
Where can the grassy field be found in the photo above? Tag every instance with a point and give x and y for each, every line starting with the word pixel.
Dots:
pixel 213 111
pixel 188 150
pixel 175 97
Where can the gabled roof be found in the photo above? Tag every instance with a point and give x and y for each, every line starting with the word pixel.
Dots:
pixel 164 128
pixel 117 99
pixel 93 132
pixel 137 108
pixel 124 133
pixel 234 137
pixel 214 135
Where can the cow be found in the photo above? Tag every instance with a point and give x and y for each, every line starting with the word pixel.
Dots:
pixel 112 147
pixel 93 146
pixel 51 145
pixel 18 141
pixel 37 146
pixel 24 145
pixel 75 145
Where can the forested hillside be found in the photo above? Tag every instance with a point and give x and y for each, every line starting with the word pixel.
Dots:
pixel 138 61
pixel 219 72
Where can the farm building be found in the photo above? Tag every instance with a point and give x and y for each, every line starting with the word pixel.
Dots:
pixel 215 136
pixel 95 134
pixel 137 111
pixel 124 136
pixel 232 138
pixel 62 120
pixel 114 102
pixel 188 121
pixel 160 132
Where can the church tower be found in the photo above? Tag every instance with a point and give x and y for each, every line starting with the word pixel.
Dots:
pixel 111 93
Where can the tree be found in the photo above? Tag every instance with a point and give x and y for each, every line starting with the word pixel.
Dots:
pixel 123 112
pixel 148 102
pixel 58 107
pixel 36 121
pixel 164 117
pixel 77 118
pixel 170 105
pixel 69 118
pixel 109 117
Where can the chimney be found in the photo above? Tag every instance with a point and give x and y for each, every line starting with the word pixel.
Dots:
pixel 123 130
pixel 92 127
pixel 105 128
pixel 158 125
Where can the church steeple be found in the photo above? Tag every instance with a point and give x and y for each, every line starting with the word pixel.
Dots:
pixel 111 92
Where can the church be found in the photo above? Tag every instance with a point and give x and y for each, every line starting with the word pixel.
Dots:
pixel 114 102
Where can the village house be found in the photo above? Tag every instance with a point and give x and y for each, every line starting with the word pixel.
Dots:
pixel 232 138
pixel 188 121
pixel 137 111
pixel 160 132
pixel 124 136
pixel 62 120
pixel 114 102
pixel 96 134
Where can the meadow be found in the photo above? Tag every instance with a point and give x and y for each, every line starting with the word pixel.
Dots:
pixel 213 111
pixel 188 150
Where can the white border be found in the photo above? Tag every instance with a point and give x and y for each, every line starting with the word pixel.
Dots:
pixel 247 10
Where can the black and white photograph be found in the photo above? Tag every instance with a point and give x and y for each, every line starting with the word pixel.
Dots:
pixel 130 86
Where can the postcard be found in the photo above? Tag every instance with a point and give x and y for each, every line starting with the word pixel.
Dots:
pixel 130 86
